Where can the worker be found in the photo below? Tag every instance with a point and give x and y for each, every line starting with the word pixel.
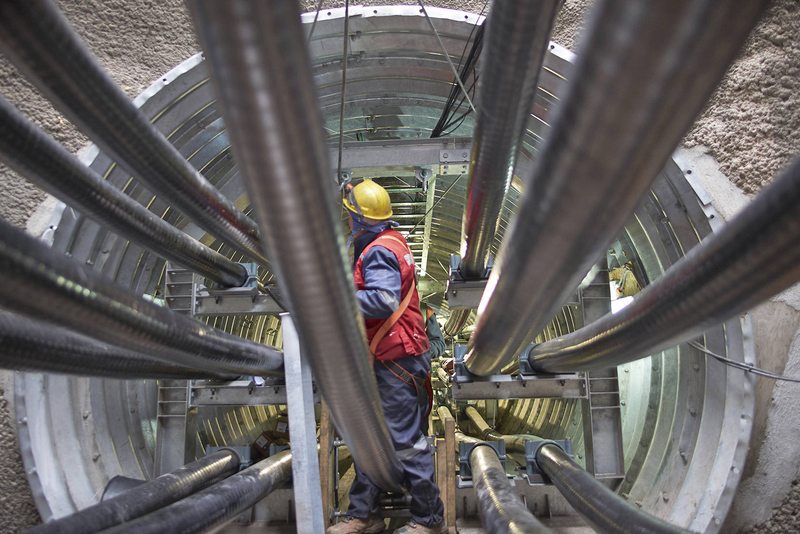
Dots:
pixel 437 348
pixel 388 299
pixel 434 332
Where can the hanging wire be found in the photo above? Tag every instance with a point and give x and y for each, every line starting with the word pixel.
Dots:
pixel 314 24
pixel 435 204
pixel 466 67
pixel 344 85
pixel 446 55
pixel 743 366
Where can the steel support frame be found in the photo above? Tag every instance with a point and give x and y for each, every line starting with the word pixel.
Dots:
pixel 509 387
pixel 430 198
pixel 601 413
pixel 172 404
pixel 466 386
pixel 303 433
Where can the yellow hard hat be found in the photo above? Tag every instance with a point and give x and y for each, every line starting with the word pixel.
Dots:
pixel 369 200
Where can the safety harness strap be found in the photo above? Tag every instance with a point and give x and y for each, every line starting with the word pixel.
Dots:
pixel 394 317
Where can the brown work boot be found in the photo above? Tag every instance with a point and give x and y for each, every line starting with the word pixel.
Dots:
pixel 355 525
pixel 412 527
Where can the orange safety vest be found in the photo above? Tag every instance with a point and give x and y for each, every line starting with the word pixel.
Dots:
pixel 402 334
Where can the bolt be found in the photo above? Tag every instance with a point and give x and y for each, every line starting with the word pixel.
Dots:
pixel 86 414
pixel 444 155
pixel 684 457
pixel 664 497
pixel 95 456
pixel 464 155
pixel 692 412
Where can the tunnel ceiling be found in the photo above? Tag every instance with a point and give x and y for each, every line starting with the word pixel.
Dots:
pixel 685 425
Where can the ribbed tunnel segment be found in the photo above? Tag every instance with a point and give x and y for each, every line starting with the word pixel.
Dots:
pixel 685 420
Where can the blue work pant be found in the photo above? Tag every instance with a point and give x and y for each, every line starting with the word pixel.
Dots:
pixel 404 416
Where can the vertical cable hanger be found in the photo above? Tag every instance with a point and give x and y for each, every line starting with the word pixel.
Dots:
pixel 313 25
pixel 344 87
pixel 447 56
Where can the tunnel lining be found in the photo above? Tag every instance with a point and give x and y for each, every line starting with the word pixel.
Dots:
pixel 141 270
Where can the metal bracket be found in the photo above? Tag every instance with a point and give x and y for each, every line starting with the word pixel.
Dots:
pixel 238 393
pixel 465 449
pixel 245 459
pixel 467 386
pixel 423 176
pixel 454 161
pixel 525 367
pixel 249 288
pixel 461 292
pixel 462 374
pixel 533 473
pixel 344 177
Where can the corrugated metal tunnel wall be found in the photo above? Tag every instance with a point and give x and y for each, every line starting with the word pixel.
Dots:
pixel 182 107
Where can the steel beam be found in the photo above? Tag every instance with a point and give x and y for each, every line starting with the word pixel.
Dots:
pixel 302 432
pixel 602 412
pixel 567 386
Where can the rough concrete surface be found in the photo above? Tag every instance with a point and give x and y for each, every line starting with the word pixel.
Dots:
pixel 751 126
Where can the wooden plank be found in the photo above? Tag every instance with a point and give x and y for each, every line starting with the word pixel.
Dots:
pixel 441 469
pixel 450 457
pixel 325 467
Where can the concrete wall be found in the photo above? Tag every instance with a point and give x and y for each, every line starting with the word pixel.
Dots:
pixel 749 130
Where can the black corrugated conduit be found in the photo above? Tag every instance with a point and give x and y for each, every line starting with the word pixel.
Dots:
pixel 642 75
pixel 147 497
pixel 756 255
pixel 48 285
pixel 216 504
pixel 35 155
pixel 37 38
pixel 30 345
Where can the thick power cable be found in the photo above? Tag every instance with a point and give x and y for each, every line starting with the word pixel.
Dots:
pixel 499 504
pixel 37 38
pixel 262 71
pixel 217 504
pixel 30 345
pixel 32 153
pixel 147 497
pixel 517 35
pixel 48 285
pixel 756 255
pixel 599 506
pixel 643 74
